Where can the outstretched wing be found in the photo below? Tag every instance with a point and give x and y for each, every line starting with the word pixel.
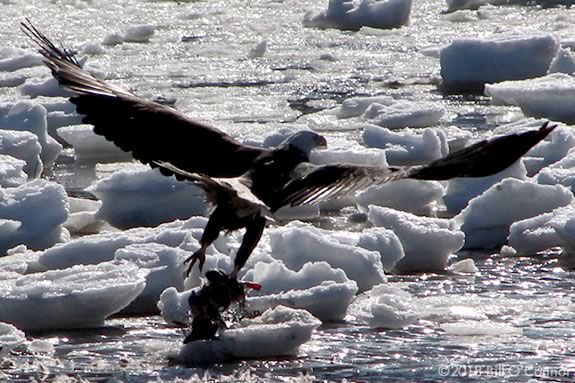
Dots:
pixel 150 131
pixel 312 184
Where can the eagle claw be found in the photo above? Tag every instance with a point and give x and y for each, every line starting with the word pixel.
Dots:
pixel 198 255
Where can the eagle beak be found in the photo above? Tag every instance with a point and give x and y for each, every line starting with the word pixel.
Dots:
pixel 321 142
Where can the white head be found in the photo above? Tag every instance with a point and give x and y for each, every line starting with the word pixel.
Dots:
pixel 306 141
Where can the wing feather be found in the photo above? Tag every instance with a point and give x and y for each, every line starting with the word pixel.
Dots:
pixel 150 131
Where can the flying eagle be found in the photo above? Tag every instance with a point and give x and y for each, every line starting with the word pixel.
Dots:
pixel 247 184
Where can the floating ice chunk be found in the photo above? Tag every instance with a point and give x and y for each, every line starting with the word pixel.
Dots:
pixel 144 197
pixel 114 38
pixel 92 48
pixel 297 245
pixel 468 64
pixel 11 173
pixel 465 266
pixel 345 14
pixel 48 87
pixel 427 242
pixel 384 241
pixel 140 33
pixel 488 217
pixel 303 212
pixel 174 306
pixel 23 146
pixel 10 337
pixel 276 277
pixel 549 96
pixel 93 249
pixel 82 217
pixel 531 235
pixel 166 269
pixel 356 106
pixel 328 301
pixel 413 196
pixel 259 50
pixel 88 146
pixel 81 296
pixel 12 59
pixel 559 173
pixel 406 148
pixel 277 332
pixel 30 116
pixel 462 190
pixel 480 328
pixel 385 306
pixel 41 207
pixel 402 114
pixel 564 62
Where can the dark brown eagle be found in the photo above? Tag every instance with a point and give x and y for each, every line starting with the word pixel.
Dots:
pixel 247 184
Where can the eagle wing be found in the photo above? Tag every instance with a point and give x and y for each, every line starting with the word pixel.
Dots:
pixel 234 191
pixel 150 131
pixel 311 184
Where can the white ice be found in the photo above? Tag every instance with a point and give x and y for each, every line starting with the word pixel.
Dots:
pixel 166 269
pixel 81 296
pixel 486 219
pixel 277 332
pixel 296 244
pixel 402 114
pixel 468 64
pixel 427 242
pixel 413 196
pixel 139 33
pixel 31 117
pixel 539 233
pixel 406 147
pixel 35 212
pixel 88 146
pixel 549 96
pixel 23 146
pixel 143 197
pixel 11 171
pixel 345 14
pixel 12 59
pixel 10 337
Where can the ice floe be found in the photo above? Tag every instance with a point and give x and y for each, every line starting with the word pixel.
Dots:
pixel 487 218
pixel 469 64
pixel 427 242
pixel 550 96
pixel 143 197
pixel 353 15
pixel 11 171
pixel 32 214
pixel 277 332
pixel 81 296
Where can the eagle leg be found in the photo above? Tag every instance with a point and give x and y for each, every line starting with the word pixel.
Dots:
pixel 211 232
pixel 254 231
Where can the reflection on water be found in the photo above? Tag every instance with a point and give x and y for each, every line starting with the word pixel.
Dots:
pixel 138 349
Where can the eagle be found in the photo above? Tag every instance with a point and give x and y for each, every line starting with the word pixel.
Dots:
pixel 247 184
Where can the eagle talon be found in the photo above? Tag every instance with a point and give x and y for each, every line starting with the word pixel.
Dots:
pixel 198 255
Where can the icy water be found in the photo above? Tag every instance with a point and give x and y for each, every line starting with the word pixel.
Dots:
pixel 199 55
